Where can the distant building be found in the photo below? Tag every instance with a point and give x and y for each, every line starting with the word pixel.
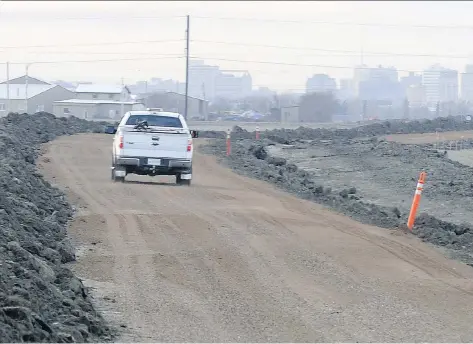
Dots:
pixel 157 85
pixel 467 84
pixel 230 86
pixel 440 85
pixel 385 73
pixel 103 92
pixel 209 82
pixel 94 109
pixel 412 79
pixel 30 95
pixel 290 114
pixel 347 89
pixel 320 83
pixel 202 79
pixel 380 86
pixel 360 73
pixel 415 95
pixel 374 76
pixel 175 102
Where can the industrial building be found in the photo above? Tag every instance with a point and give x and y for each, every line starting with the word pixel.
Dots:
pixel 26 94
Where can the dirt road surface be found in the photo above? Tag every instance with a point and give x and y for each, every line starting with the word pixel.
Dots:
pixel 233 259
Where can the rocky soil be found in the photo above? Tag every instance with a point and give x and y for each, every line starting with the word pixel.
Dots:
pixel 40 298
pixel 355 173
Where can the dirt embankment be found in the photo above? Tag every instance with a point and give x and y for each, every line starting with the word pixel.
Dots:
pixel 40 299
pixel 370 180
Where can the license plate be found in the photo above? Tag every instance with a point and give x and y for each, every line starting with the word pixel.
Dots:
pixel 154 162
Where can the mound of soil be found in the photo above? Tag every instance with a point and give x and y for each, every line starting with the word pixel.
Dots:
pixel 40 299
pixel 252 159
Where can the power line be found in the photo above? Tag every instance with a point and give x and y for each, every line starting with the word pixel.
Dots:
pixel 440 27
pixel 145 54
pixel 99 60
pixel 102 18
pixel 327 50
pixel 354 52
pixel 90 44
pixel 291 64
pixel 99 53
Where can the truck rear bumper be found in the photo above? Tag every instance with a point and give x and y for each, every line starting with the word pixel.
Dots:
pixel 158 162
pixel 154 166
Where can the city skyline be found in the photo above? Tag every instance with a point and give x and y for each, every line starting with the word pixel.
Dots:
pixel 329 37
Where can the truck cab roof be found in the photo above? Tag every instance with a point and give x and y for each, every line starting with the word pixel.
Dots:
pixel 153 112
pixel 154 118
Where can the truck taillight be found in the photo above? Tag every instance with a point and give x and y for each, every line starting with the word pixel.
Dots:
pixel 189 145
pixel 121 142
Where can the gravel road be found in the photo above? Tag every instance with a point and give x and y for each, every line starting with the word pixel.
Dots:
pixel 232 259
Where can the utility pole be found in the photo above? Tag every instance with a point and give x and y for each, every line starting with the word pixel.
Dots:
pixel 203 97
pixel 187 68
pixel 26 88
pixel 122 106
pixel 8 88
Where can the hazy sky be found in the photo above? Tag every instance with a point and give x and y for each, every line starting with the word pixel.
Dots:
pixel 326 34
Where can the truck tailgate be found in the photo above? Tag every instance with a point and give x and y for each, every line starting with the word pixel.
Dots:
pixel 155 144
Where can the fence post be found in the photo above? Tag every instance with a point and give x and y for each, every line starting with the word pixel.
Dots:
pixel 228 143
pixel 416 200
pixel 257 133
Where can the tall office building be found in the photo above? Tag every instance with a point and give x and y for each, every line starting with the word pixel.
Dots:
pixel 360 73
pixel 381 86
pixel 467 84
pixel 440 85
pixel 209 82
pixel 231 86
pixel 202 79
pixel 320 83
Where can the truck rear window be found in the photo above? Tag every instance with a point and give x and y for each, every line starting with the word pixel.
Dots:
pixel 156 121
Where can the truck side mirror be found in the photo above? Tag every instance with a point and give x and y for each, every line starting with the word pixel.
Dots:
pixel 110 129
pixel 194 134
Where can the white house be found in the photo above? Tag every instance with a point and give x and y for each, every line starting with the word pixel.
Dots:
pixel 30 95
pixel 103 92
pixel 97 101
pixel 94 109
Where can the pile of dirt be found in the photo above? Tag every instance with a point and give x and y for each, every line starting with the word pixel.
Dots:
pixel 252 159
pixel 286 136
pixel 40 299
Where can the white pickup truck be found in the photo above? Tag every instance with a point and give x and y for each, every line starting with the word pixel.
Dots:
pixel 152 143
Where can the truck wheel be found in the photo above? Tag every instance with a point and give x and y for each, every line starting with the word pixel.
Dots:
pixel 115 178
pixel 180 181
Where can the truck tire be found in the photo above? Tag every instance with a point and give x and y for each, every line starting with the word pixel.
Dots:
pixel 180 181
pixel 115 178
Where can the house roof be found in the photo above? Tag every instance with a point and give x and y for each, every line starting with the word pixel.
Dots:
pixel 22 80
pixel 101 88
pixel 18 91
pixel 93 101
